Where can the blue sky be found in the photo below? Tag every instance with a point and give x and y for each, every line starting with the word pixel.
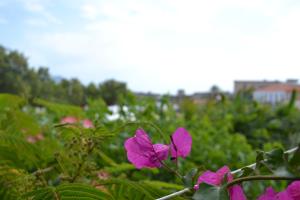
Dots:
pixel 158 46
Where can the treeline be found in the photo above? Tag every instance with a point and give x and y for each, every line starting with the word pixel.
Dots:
pixel 17 77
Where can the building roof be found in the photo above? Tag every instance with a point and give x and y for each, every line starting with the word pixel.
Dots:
pixel 279 87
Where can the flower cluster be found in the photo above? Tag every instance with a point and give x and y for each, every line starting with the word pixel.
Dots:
pixel 86 123
pixel 141 152
pixel 215 179
pixel 292 192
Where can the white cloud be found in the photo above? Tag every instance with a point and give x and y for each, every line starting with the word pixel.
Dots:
pixel 43 16
pixel 89 11
pixel 172 44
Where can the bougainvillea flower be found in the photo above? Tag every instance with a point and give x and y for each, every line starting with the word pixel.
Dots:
pixel 142 153
pixel 216 178
pixel 68 120
pixel 292 192
pixel 270 194
pixel 86 123
pixel 181 143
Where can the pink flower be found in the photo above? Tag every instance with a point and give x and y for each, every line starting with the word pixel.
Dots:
pixel 31 139
pixel 181 143
pixel 86 123
pixel 294 190
pixel 291 193
pixel 270 194
pixel 142 153
pixel 215 179
pixel 68 120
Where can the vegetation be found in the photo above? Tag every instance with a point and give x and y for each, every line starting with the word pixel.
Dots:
pixel 17 77
pixel 43 156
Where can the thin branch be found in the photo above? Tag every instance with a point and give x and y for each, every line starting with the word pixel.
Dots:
pixel 175 194
pixel 42 171
pixel 233 172
pixel 254 164
pixel 254 178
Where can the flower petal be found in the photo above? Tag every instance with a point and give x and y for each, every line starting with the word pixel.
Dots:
pixel 268 195
pixel 69 120
pixel 86 123
pixel 135 153
pixel 142 153
pixel 210 178
pixel 236 193
pixel 143 139
pixel 162 151
pixel 181 143
pixel 284 195
pixel 222 171
pixel 294 190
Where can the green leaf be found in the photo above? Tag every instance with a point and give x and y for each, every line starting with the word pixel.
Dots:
pixel 188 179
pixel 294 162
pixel 275 157
pixel 246 171
pixel 259 158
pixel 209 192
pixel 73 191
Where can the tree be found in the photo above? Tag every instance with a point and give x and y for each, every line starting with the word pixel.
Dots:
pixel 110 91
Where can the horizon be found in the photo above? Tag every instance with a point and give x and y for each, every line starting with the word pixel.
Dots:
pixel 160 47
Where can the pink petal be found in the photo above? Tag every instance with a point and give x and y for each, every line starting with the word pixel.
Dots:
pixel 161 151
pixel 135 153
pixel 213 178
pixel 210 178
pixel 284 195
pixel 294 190
pixel 87 123
pixel 222 171
pixel 69 120
pixel 142 153
pixel 268 195
pixel 181 143
pixel 143 139
pixel 236 193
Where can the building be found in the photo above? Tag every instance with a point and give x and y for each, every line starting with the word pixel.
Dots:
pixel 276 93
pixel 253 85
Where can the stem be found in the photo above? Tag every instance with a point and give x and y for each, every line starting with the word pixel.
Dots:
pixel 175 194
pixel 81 164
pixel 261 177
pixel 175 147
pixel 171 170
pixel 254 164
pixel 42 171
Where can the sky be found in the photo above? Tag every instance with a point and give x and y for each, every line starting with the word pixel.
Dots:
pixel 157 45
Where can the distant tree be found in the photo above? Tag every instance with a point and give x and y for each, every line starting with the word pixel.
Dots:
pixel 110 91
pixel 18 78
pixel 91 91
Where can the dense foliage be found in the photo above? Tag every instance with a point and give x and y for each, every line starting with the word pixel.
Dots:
pixel 43 158
pixel 51 150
